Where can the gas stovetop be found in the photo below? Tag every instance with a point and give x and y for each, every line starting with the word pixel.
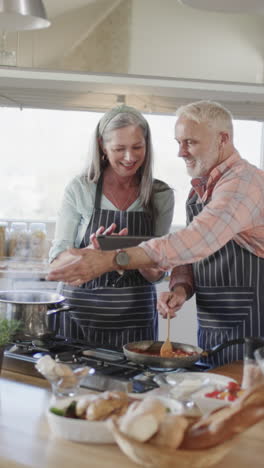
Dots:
pixel 112 369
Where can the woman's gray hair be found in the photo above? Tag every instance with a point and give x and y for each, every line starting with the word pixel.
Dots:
pixel 119 117
pixel 210 112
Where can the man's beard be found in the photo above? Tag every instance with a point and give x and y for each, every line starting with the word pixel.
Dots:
pixel 200 169
pixel 203 165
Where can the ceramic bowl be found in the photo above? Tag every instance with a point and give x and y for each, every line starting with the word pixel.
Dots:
pixel 78 430
pixel 208 404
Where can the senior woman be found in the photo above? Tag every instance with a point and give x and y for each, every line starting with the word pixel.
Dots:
pixel 117 192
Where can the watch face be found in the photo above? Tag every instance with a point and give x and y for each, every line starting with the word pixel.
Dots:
pixel 122 259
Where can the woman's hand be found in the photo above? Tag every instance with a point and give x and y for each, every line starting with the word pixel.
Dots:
pixel 171 302
pixel 94 244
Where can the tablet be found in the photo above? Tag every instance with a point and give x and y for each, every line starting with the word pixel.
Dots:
pixel 113 242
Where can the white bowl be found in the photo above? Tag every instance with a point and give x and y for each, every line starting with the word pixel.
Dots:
pixel 208 404
pixel 174 406
pixel 78 430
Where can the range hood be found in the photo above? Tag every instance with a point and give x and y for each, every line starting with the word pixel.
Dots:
pixel 35 88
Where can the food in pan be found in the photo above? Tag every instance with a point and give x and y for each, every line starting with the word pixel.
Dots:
pixel 177 352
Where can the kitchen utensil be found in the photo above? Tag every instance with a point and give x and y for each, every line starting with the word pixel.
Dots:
pixel 131 352
pixel 33 309
pixel 166 349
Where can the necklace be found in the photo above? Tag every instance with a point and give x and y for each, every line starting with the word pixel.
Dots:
pixel 122 205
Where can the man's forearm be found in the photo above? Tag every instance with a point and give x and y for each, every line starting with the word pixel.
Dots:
pixel 91 263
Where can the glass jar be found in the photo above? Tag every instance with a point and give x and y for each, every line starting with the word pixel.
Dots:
pixel 3 238
pixel 37 241
pixel 18 240
pixel 252 374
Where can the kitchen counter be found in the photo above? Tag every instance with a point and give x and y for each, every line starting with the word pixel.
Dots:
pixel 26 441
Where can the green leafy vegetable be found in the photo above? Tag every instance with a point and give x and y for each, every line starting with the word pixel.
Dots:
pixel 7 329
pixel 57 411
pixel 70 411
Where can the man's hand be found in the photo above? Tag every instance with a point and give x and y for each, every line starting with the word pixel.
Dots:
pixel 87 265
pixel 170 302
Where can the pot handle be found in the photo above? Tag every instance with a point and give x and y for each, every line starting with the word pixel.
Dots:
pixel 60 309
pixel 219 347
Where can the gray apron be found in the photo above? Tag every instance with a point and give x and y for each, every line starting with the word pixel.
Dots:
pixel 112 309
pixel 229 295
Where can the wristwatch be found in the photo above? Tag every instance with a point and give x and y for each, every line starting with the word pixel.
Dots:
pixel 122 258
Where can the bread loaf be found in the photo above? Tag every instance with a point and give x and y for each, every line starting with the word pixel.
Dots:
pixel 226 423
pixel 171 431
pixel 142 419
pixel 82 404
pixel 102 408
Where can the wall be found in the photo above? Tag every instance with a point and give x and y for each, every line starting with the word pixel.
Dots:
pixel 149 37
pixel 106 47
pixel 169 39
pixel 48 48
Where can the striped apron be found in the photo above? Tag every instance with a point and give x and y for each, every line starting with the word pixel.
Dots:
pixel 112 309
pixel 229 295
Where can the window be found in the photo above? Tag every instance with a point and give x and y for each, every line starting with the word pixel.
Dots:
pixel 247 139
pixel 41 150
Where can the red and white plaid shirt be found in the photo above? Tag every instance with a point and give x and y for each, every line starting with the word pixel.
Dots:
pixel 234 193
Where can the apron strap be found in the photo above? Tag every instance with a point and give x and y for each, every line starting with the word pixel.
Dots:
pixel 98 195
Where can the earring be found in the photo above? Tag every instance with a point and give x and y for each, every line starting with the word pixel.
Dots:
pixel 104 157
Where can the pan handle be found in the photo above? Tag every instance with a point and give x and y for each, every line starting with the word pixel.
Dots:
pixel 60 309
pixel 219 347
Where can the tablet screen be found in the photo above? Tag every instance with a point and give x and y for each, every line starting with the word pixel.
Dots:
pixel 120 242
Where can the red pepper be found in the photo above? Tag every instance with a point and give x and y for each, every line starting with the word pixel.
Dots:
pixel 212 394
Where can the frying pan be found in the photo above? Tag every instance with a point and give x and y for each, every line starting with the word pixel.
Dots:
pixel 171 362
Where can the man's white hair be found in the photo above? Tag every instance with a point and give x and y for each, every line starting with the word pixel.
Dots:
pixel 213 113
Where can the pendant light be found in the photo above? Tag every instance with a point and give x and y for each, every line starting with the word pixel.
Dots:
pixel 22 15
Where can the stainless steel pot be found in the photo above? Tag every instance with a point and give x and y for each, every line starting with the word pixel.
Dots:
pixel 35 310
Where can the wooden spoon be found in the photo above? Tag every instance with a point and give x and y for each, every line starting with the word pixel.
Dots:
pixel 166 349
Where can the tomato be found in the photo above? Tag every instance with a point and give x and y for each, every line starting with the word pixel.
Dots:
pixel 233 386
pixel 231 397
pixel 231 392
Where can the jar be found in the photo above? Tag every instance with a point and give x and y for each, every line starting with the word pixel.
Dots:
pixel 3 238
pixel 252 374
pixel 37 240
pixel 18 240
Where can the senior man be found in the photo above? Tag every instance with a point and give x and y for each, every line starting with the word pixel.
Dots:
pixel 219 255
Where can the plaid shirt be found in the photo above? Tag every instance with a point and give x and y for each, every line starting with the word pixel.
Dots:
pixel 234 197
